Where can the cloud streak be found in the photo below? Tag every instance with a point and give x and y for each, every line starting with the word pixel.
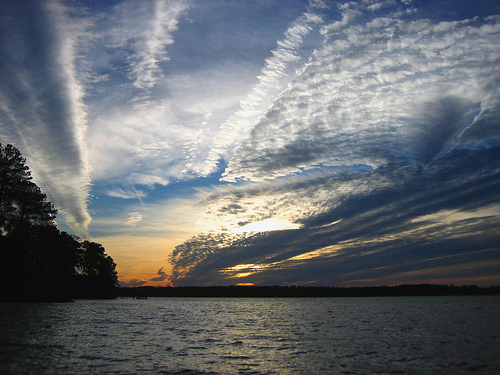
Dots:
pixel 271 81
pixel 146 30
pixel 41 102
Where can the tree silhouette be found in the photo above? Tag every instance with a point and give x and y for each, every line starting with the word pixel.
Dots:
pixel 22 203
pixel 37 261
pixel 96 270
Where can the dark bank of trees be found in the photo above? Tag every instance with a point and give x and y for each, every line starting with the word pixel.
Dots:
pixel 37 261
pixel 307 291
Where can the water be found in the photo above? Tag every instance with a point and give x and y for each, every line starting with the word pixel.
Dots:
pixel 410 335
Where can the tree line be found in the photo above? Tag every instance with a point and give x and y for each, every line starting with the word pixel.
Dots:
pixel 307 291
pixel 37 261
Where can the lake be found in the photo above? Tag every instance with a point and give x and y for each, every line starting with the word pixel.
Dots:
pixel 387 335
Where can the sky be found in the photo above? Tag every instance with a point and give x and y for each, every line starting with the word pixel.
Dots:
pixel 265 142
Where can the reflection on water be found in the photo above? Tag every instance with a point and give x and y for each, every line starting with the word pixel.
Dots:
pixel 417 335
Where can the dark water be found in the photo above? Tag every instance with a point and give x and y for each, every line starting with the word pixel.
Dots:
pixel 404 335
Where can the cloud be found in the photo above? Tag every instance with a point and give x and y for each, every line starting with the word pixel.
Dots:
pixel 376 91
pixel 271 81
pixel 57 65
pixel 377 231
pixel 146 30
pixel 162 276
pixel 437 125
pixel 167 133
pixel 41 101
pixel 132 122
pixel 168 140
pixel 134 218
pixel 391 122
pixel 126 194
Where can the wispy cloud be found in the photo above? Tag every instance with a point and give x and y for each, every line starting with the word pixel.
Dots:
pixel 146 29
pixel 271 81
pixel 41 101
pixel 126 194
pixel 134 218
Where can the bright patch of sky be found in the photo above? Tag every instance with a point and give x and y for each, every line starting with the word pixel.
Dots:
pixel 266 142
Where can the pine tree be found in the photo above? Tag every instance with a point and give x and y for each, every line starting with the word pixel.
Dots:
pixel 37 261
pixel 22 203
pixel 97 274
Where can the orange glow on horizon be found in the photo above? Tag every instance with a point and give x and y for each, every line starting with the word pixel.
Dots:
pixel 141 261
pixel 245 284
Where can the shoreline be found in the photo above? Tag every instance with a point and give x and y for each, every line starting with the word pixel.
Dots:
pixel 306 291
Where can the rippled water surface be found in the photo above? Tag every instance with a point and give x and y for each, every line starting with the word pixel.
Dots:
pixel 410 335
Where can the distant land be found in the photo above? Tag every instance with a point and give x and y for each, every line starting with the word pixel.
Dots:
pixel 307 291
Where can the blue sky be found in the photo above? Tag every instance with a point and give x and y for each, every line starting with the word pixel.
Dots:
pixel 266 142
